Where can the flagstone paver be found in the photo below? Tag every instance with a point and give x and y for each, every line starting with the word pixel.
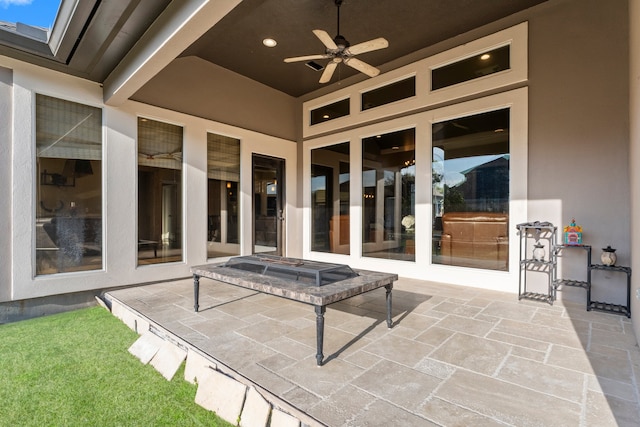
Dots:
pixel 456 356
pixel 168 359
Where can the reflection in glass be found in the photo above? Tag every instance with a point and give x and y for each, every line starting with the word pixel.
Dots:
pixel 223 179
pixel 330 199
pixel 268 204
pixel 330 112
pixel 477 66
pixel 69 186
pixel 159 192
pixel 388 180
pixel 390 93
pixel 470 190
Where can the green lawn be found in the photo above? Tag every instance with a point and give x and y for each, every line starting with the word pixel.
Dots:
pixel 74 369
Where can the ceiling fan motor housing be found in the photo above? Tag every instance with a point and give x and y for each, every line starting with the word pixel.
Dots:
pixel 341 42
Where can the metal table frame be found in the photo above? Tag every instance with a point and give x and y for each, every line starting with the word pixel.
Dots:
pixel 282 288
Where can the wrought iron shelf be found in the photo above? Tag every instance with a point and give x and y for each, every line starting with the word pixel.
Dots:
pixel 536 262
pixel 609 307
pixel 536 296
pixel 584 284
pixel 535 232
pixel 575 283
pixel 611 268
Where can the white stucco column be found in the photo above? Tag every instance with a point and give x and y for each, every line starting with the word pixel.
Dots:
pixel 634 156
pixel 6 156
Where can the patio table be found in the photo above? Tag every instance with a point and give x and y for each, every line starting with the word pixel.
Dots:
pixel 278 277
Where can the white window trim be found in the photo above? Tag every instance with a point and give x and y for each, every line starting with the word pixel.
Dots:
pixel 422 268
pixel 515 36
pixel 36 179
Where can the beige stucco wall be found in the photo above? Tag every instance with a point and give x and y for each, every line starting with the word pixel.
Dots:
pixel 578 138
pixel 194 86
pixel 578 122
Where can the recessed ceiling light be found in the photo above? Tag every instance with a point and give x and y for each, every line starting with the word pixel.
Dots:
pixel 268 42
pixel 485 56
pixel 326 116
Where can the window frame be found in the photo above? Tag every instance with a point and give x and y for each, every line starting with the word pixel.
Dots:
pixel 37 179
pixel 226 244
pixel 517 101
pixel 182 189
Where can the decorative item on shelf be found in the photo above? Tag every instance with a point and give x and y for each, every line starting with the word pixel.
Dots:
pixel 538 251
pixel 608 256
pixel 408 221
pixel 573 234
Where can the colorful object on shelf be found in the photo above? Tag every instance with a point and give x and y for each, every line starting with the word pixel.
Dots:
pixel 573 234
pixel 608 256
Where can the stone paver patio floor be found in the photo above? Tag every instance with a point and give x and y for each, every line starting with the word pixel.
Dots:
pixel 456 356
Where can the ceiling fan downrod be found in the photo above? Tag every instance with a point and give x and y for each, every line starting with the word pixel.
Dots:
pixel 339 39
pixel 338 4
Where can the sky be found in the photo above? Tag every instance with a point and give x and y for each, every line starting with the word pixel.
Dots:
pixel 39 13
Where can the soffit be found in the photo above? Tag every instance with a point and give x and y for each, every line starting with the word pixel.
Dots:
pixel 235 43
pixel 89 37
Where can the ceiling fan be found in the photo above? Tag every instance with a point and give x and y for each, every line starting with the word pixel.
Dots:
pixel 339 50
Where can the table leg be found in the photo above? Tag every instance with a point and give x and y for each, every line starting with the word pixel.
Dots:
pixel 389 321
pixel 629 294
pixel 196 291
pixel 320 309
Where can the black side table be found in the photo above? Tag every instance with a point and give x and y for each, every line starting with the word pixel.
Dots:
pixel 585 284
pixel 605 306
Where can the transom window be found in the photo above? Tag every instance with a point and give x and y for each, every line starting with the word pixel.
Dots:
pixel 480 65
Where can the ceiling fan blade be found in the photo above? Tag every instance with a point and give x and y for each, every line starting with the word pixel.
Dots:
pixel 361 66
pixel 306 58
pixel 375 44
pixel 326 39
pixel 328 72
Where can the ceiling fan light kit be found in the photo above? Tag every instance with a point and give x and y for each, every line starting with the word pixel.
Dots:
pixel 339 50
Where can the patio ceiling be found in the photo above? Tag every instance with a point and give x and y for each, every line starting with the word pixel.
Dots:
pixel 99 34
pixel 235 42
